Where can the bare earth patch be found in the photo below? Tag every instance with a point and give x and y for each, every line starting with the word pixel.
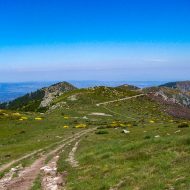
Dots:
pixel 71 159
pixel 26 178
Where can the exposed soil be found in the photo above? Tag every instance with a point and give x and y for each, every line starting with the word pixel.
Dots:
pixel 26 178
pixel 71 159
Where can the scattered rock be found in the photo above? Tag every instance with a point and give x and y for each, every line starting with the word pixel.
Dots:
pixel 125 131
pixel 100 114
pixel 72 98
pixel 178 131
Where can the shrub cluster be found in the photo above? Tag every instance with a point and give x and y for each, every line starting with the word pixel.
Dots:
pixel 183 125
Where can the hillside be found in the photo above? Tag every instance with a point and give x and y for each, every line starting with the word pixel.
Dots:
pixel 123 135
pixel 38 100
pixel 174 95
pixel 183 86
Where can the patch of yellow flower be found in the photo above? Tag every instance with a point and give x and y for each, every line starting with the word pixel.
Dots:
pixel 16 114
pixel 24 118
pixel 66 117
pixel 38 118
pixel 81 126
pixel 114 125
pixel 119 124
pixel 66 127
pixel 151 121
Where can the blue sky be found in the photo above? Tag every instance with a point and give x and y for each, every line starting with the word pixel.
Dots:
pixel 94 40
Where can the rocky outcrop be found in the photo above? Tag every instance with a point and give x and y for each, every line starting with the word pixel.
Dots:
pixel 174 96
pixel 40 99
pixel 183 86
pixel 55 91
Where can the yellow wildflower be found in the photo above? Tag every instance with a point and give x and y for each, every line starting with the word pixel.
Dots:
pixel 24 118
pixel 16 114
pixel 38 118
pixel 80 126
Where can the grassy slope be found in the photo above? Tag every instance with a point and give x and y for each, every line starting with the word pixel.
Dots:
pixel 143 161
pixel 21 137
pixel 140 159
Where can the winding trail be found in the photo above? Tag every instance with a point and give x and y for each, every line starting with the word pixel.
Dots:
pixel 8 165
pixel 119 100
pixel 26 178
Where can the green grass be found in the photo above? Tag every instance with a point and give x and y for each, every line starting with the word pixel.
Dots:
pixel 107 156
pixel 18 138
pixel 144 163
pixel 37 184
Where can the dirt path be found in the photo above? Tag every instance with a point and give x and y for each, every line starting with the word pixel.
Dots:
pixel 71 159
pixel 26 178
pixel 119 100
pixel 51 180
pixel 122 99
pixel 8 165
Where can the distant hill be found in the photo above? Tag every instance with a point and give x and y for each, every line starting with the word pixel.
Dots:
pixel 40 99
pixel 183 86
pixel 128 87
pixel 11 91
pixel 175 95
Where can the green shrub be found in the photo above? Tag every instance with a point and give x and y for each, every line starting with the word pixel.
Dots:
pixel 101 132
pixel 183 125
pixel 147 137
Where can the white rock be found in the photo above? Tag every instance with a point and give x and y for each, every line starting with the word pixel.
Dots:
pixel 178 131
pixel 126 131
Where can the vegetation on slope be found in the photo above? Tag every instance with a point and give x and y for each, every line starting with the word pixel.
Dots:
pixel 39 100
pixel 137 144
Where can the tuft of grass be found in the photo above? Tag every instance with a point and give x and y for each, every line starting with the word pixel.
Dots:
pixel 37 184
pixel 183 125
pixel 101 132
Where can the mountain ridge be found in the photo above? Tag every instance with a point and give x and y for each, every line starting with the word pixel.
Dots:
pixel 174 94
pixel 38 100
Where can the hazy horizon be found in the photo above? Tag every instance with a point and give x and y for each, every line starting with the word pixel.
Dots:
pixel 102 40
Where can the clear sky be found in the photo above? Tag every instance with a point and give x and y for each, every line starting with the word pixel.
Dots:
pixel 94 40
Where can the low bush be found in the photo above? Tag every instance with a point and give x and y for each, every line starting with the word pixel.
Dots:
pixel 183 125
pixel 101 132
